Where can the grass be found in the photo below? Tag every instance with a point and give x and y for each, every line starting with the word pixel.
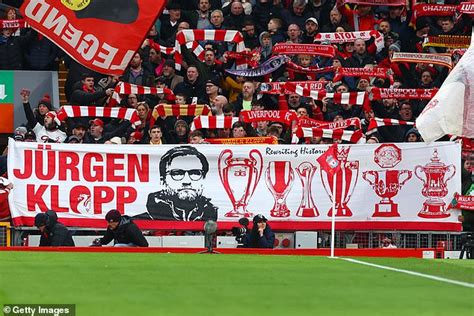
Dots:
pixel 180 284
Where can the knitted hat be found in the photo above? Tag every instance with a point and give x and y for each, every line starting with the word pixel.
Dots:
pixel 113 216
pixel 46 101
pixel 395 47
pixel 54 116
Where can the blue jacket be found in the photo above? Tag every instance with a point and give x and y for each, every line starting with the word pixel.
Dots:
pixel 253 240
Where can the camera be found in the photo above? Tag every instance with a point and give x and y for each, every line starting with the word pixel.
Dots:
pixel 240 231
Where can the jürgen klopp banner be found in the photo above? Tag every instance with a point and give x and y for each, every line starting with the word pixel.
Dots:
pixel 100 34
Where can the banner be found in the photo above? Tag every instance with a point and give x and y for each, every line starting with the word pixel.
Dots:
pixel 402 94
pixel 282 116
pixel 378 72
pixel 392 186
pixel 278 86
pixel 436 59
pixel 447 41
pixel 306 49
pixel 91 32
pixel 13 24
pixel 243 140
pixel 350 37
pixel 393 3
pixel 308 122
pixel 266 68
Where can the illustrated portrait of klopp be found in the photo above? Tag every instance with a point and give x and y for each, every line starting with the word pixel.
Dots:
pixel 119 11
pixel 183 170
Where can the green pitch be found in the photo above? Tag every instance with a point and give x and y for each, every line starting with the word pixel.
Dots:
pixel 188 284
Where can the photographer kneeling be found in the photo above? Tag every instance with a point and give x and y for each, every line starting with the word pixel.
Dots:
pixel 261 235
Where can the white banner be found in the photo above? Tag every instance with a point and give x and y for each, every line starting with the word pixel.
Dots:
pixel 380 186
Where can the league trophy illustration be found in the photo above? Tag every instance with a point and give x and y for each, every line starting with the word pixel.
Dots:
pixel 240 177
pixel 346 180
pixel 386 184
pixel 307 208
pixel 434 186
pixel 279 176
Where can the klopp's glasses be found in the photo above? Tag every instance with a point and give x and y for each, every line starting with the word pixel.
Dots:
pixel 178 174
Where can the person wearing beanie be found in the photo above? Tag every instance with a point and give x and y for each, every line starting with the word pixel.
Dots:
pixel 122 230
pixel 180 133
pixel 44 106
pixel 49 132
pixel 261 234
pixel 53 233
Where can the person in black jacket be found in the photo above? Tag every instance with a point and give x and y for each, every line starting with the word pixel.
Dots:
pixel 261 235
pixel 122 230
pixel 53 233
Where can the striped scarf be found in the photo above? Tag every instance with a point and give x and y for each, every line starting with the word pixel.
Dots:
pixel 185 36
pixel 213 122
pixel 163 110
pixel 376 122
pixel 96 111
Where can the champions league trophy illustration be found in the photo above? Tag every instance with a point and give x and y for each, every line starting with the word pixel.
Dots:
pixel 307 208
pixel 346 180
pixel 434 186
pixel 386 184
pixel 240 177
pixel 279 176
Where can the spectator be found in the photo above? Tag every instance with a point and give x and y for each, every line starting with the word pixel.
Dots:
pixel 294 34
pixel 137 74
pixel 96 134
pixel 360 58
pixel 311 27
pixel 192 85
pixel 244 101
pixel 53 233
pixel 12 49
pixel 297 14
pixel 156 135
pixel 261 234
pixel 49 131
pixel 86 93
pixel 171 79
pixel 122 230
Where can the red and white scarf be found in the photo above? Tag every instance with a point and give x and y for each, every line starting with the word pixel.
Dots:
pixel 378 122
pixel 282 116
pixel 359 98
pixel 162 49
pixel 97 111
pixel 213 122
pixel 185 36
pixel 462 202
pixel 425 9
pixel 340 134
pixel 163 110
pixel 128 88
pixel 349 37
pixel 378 72
pixel 310 71
pixel 437 59
pixel 278 87
pixel 410 94
pixel 308 122
pixel 306 49
pixel 13 24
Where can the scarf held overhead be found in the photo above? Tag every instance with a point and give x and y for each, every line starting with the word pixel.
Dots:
pixel 437 59
pixel 282 116
pixel 185 36
pixel 264 69
pixel 213 122
pixel 95 111
pixel 350 37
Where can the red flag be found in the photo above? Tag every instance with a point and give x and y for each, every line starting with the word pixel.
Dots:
pixel 328 161
pixel 102 35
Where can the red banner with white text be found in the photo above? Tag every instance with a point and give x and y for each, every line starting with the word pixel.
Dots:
pixel 100 34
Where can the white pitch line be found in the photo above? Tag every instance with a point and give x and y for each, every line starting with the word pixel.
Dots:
pixel 427 276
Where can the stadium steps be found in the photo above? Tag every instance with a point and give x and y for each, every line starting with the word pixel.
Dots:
pixel 62 75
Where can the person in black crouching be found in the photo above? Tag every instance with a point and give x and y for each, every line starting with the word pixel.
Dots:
pixel 261 235
pixel 122 230
pixel 53 233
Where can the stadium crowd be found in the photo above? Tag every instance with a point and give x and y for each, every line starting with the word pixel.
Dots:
pixel 212 76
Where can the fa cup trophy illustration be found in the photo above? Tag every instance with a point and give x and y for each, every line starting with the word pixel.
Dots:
pixel 240 177
pixel 386 184
pixel 434 186
pixel 279 177
pixel 306 171
pixel 346 179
